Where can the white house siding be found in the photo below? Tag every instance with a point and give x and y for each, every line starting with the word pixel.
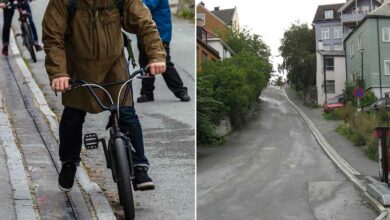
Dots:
pixel 218 46
pixel 338 75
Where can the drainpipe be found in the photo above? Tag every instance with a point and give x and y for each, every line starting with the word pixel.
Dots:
pixel 379 57
pixel 325 90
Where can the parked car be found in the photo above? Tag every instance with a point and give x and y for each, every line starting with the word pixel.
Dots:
pixel 334 103
pixel 379 104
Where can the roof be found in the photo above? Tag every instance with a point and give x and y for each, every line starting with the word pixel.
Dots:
pixel 320 14
pixel 349 2
pixel 384 10
pixel 223 43
pixel 226 15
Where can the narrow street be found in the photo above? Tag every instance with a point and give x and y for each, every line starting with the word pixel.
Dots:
pixel 274 169
pixel 168 125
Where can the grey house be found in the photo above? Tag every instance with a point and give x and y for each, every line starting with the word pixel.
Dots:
pixel 332 24
pixel 368 51
pixel 330 74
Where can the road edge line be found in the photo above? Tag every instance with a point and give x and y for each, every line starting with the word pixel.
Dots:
pixel 20 184
pixel 343 165
pixel 100 203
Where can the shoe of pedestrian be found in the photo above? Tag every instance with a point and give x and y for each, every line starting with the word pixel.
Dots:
pixel 66 178
pixel 38 47
pixel 142 180
pixel 4 51
pixel 184 97
pixel 145 98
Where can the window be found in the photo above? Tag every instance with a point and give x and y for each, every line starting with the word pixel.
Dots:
pixel 329 14
pixel 360 43
pixel 338 32
pixel 326 48
pixel 386 34
pixel 201 19
pixel 387 67
pixel 330 86
pixel 325 33
pixel 329 63
pixel 351 52
pixel 338 47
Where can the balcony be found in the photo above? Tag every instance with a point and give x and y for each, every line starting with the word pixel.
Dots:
pixel 347 18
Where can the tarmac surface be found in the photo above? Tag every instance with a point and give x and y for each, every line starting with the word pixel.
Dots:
pixel 274 169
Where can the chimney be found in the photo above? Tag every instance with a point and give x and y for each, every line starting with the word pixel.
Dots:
pixel 216 8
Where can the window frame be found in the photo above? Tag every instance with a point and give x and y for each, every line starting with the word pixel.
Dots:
pixel 323 31
pixel 388 34
pixel 329 67
pixel 330 14
pixel 338 29
pixel 327 86
pixel 386 70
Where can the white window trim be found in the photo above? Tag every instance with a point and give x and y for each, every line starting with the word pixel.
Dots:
pixel 201 16
pixel 338 29
pixel 331 13
pixel 323 31
pixel 383 34
pixel 360 42
pixel 351 50
pixel 385 62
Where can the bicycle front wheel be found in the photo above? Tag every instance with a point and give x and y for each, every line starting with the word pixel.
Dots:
pixel 29 42
pixel 123 178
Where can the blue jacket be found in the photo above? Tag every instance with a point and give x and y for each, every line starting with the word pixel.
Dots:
pixel 161 13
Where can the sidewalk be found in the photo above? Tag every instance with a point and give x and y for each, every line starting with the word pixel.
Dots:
pixel 350 153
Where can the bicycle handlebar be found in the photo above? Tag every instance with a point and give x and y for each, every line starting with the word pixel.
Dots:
pixel 81 83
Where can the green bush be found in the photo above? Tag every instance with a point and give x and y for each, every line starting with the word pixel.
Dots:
pixel 371 148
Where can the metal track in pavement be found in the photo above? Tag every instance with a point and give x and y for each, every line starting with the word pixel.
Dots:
pixel 74 205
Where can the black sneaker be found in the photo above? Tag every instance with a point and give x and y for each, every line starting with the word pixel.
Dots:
pixel 184 97
pixel 145 98
pixel 4 51
pixel 142 180
pixel 38 47
pixel 66 178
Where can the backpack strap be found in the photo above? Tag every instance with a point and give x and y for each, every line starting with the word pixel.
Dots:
pixel 127 44
pixel 72 7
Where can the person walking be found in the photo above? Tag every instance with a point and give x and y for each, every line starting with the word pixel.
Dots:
pixel 88 45
pixel 161 14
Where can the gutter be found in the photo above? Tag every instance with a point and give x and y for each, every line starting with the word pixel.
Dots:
pixel 379 57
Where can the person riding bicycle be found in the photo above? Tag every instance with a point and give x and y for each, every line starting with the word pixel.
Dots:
pixel 89 47
pixel 8 15
pixel 161 13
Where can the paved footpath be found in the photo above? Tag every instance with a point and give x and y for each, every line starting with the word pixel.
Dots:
pixel 352 154
pixel 169 129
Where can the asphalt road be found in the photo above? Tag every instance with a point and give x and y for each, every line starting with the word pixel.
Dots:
pixel 273 170
pixel 169 128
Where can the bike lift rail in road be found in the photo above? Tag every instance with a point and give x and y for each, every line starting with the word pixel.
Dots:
pixel 381 190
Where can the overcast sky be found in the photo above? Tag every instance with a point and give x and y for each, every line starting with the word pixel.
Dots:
pixel 270 18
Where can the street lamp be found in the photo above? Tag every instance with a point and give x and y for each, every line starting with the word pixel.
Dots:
pixel 361 51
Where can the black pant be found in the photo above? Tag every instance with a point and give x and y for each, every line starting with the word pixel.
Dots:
pixel 71 127
pixel 171 76
pixel 8 15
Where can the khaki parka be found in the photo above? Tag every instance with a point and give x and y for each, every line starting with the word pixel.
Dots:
pixel 90 46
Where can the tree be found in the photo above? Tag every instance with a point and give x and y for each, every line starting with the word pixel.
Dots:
pixel 299 56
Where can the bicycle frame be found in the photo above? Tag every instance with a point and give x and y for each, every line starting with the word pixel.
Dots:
pixel 115 131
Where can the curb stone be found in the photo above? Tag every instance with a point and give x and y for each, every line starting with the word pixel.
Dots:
pixel 100 203
pixel 348 170
pixel 18 176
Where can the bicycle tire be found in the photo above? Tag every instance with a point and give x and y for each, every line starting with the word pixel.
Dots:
pixel 29 41
pixel 123 178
